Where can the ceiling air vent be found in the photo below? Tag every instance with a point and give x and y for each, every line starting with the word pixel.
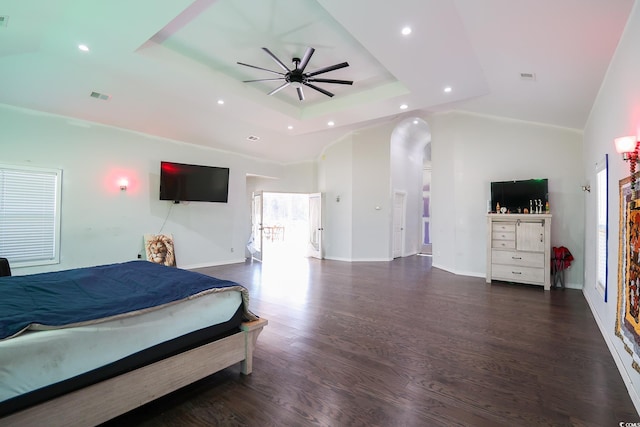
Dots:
pixel 4 20
pixel 527 76
pixel 101 96
pixel 253 138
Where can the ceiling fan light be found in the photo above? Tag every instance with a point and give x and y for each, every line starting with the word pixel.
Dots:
pixel 297 77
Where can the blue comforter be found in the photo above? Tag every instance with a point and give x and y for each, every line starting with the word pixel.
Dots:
pixel 86 294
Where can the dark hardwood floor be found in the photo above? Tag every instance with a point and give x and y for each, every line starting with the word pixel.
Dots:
pixel 403 344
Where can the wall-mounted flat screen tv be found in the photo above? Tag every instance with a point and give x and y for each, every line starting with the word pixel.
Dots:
pixel 518 195
pixel 196 183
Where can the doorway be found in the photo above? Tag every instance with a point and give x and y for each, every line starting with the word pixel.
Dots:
pixel 426 207
pixel 285 226
pixel 410 148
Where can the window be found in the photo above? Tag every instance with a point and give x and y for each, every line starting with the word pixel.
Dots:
pixel 601 222
pixel 30 215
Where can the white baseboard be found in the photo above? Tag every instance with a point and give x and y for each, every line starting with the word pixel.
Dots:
pixel 337 258
pixel 635 399
pixel 358 259
pixel 212 264
pixel 458 272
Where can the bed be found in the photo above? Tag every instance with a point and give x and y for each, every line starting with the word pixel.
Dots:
pixel 85 345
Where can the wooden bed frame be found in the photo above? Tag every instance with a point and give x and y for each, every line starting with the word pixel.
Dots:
pixel 105 400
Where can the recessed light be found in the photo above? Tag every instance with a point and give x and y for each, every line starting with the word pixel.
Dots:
pixel 448 89
pixel 83 47
pixel 415 122
pixel 289 127
pixel 253 138
pixel 331 123
pixel 220 101
pixel 404 106
pixel 406 31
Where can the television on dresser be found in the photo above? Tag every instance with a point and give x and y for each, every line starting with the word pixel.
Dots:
pixel 194 183
pixel 515 196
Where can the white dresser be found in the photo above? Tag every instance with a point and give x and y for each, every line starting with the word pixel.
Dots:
pixel 519 248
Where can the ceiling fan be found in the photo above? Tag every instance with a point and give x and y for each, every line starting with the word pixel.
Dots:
pixel 297 76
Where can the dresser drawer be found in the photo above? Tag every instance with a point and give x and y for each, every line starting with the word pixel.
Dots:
pixel 503 235
pixel 504 226
pixel 515 273
pixel 503 244
pixel 523 259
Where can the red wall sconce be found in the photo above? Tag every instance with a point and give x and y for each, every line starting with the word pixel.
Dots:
pixel 123 183
pixel 628 147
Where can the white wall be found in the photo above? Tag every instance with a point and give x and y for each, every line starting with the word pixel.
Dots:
pixel 615 113
pixel 372 194
pixel 335 169
pixel 101 224
pixel 469 152
pixel 295 178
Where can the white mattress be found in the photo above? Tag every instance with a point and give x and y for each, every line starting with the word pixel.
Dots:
pixel 35 359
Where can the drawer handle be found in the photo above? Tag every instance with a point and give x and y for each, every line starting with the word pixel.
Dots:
pixel 516 272
pixel 516 257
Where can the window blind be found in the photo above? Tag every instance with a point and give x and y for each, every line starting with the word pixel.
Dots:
pixel 602 226
pixel 29 215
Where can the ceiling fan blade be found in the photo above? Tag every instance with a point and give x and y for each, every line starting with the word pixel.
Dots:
pixel 275 58
pixel 260 68
pixel 326 92
pixel 300 93
pixel 305 59
pixel 279 88
pixel 341 82
pixel 329 68
pixel 262 80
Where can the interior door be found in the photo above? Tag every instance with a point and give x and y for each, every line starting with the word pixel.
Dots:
pixel 315 226
pixel 398 222
pixel 255 245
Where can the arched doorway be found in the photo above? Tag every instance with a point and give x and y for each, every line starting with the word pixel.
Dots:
pixel 411 175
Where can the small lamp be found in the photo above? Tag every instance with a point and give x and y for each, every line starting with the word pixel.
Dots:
pixel 628 147
pixel 123 182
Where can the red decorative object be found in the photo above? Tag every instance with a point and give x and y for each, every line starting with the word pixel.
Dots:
pixel 560 260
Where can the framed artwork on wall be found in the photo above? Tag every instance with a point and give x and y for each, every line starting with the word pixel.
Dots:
pixel 627 323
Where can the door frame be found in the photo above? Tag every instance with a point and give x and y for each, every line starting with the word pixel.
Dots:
pixel 312 251
pixel 257 226
pixel 398 220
